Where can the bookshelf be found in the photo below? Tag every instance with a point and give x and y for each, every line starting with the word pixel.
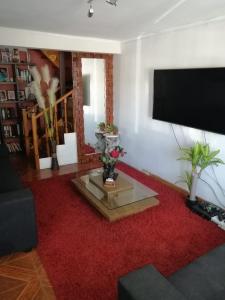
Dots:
pixel 15 94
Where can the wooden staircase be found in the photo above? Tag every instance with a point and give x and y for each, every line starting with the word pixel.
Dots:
pixel 35 132
pixel 53 56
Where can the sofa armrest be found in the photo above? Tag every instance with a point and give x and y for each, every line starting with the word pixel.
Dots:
pixel 16 195
pixel 17 221
pixel 146 284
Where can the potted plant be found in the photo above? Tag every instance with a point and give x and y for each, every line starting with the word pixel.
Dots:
pixel 200 156
pixel 103 134
pixel 111 129
pixel 44 88
pixel 101 126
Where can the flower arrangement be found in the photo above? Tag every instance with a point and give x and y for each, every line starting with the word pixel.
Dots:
pixel 45 88
pixel 108 143
pixel 110 158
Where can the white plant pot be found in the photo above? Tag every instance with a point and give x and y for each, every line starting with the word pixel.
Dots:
pixel 66 153
pixel 193 187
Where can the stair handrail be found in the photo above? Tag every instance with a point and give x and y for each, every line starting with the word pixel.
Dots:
pixel 34 124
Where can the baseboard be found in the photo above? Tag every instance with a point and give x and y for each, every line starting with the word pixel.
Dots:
pixel 195 209
pixel 171 185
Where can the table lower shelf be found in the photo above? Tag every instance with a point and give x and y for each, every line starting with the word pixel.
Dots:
pixel 117 213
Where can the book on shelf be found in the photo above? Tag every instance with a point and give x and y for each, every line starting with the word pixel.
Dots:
pixel 11 130
pixel 14 55
pixel 7 113
pixel 13 147
pixel 23 75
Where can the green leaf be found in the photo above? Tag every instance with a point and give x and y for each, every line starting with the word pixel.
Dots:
pixel 200 156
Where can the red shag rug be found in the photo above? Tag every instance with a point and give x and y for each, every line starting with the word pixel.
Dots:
pixel 84 255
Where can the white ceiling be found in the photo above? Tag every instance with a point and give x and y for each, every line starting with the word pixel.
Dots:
pixel 131 18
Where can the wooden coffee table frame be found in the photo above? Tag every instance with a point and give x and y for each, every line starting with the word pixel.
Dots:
pixel 118 213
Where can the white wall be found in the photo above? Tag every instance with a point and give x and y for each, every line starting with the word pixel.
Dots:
pixel 151 144
pixel 45 40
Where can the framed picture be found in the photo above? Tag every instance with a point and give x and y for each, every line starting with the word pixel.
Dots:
pixel 23 56
pixel 4 56
pixel 16 55
pixel 11 95
pixel 4 75
pixel 22 95
pixel 3 96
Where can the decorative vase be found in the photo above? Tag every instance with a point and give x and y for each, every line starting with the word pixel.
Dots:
pixel 193 187
pixel 109 172
pixel 55 164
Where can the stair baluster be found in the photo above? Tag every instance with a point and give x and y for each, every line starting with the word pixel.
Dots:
pixel 35 121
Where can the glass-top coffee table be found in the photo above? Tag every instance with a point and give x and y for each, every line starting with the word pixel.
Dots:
pixel 128 196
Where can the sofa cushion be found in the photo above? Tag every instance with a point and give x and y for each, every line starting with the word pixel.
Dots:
pixel 204 278
pixel 17 221
pixel 9 180
pixel 220 295
pixel 146 284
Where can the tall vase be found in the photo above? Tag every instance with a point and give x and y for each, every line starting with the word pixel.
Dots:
pixel 193 187
pixel 55 164
pixel 109 172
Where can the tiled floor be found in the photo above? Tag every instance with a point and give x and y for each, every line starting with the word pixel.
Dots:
pixel 22 277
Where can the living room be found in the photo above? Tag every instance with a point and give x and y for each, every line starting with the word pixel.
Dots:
pixel 83 254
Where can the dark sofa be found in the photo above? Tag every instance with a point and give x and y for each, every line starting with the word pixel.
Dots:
pixel 203 279
pixel 17 212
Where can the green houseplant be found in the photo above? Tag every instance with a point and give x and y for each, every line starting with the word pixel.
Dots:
pixel 101 126
pixel 111 129
pixel 108 128
pixel 200 156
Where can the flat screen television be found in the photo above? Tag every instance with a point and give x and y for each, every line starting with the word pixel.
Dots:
pixel 191 97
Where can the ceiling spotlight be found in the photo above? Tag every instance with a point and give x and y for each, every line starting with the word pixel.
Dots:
pixel 91 9
pixel 112 2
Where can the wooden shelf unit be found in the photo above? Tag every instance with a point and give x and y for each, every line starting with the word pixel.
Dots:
pixel 14 81
pixel 7 82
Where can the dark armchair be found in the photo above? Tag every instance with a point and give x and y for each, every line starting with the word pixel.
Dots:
pixel 17 211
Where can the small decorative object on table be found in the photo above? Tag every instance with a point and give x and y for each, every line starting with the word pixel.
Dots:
pixel 111 151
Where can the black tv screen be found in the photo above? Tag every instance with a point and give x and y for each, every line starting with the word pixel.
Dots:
pixel 191 97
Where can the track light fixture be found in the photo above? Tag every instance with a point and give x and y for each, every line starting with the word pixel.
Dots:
pixel 112 2
pixel 91 9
